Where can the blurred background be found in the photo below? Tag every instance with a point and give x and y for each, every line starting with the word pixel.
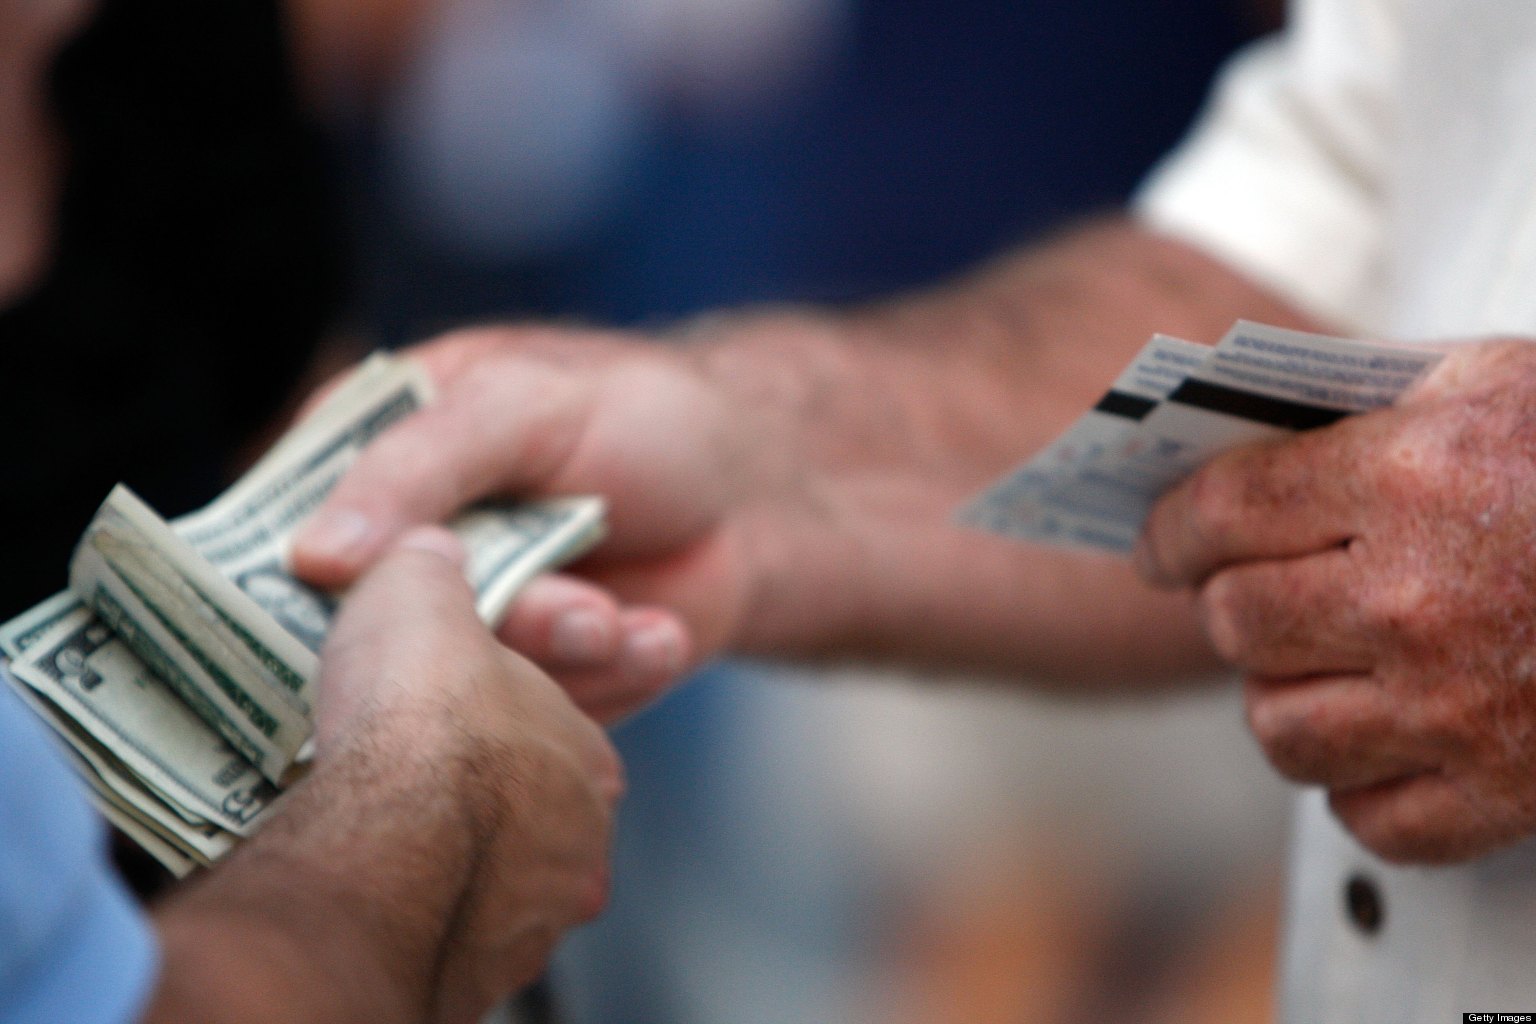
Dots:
pixel 256 192
pixel 837 846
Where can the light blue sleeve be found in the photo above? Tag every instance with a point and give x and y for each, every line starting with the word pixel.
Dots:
pixel 73 944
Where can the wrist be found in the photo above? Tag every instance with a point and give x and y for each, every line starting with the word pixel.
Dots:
pixel 817 409
pixel 226 961
pixel 341 908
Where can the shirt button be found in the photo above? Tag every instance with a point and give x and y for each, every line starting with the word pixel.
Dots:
pixel 1362 899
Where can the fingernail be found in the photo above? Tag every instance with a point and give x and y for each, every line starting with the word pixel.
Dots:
pixel 435 540
pixel 581 636
pixel 340 533
pixel 654 651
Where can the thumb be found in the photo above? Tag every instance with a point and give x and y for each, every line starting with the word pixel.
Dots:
pixel 410 610
pixel 490 432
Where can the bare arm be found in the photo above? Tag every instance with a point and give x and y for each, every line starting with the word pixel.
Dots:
pixel 785 483
pixel 924 400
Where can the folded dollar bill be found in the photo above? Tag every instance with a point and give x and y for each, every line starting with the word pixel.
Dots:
pixel 177 669
pixel 1174 407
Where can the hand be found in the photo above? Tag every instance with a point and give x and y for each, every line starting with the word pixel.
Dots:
pixel 529 412
pixel 1376 581
pixel 410 675
pixel 454 824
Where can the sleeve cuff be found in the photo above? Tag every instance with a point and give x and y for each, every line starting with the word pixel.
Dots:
pixel 1251 187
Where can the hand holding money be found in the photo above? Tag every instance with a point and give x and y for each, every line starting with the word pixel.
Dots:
pixel 1374 581
pixel 410 663
pixel 454 825
pixel 535 412
pixel 179 668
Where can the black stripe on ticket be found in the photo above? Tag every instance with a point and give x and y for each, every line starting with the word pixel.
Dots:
pixel 1277 412
pixel 1118 403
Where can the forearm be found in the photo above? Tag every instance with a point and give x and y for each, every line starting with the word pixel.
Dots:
pixel 906 409
pixel 337 911
pixel 989 367
pixel 221 967
pixel 941 598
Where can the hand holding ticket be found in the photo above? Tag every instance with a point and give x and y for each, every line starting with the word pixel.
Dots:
pixel 1175 406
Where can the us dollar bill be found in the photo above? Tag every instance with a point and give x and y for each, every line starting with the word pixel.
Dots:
pixel 244 666
pixel 95 682
pixel 20 633
pixel 118 789
pixel 178 667
pixel 246 533
pixel 215 647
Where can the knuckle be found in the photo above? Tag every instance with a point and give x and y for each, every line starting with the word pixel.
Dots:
pixel 607 768
pixel 1402 605
pixel 1409 464
pixel 1427 819
pixel 613 779
pixel 1452 719
pixel 594 898
pixel 1386 823
pixel 404 458
pixel 464 346
pixel 1394 845
pixel 1215 506
pixel 1276 728
pixel 1224 609
pixel 1310 740
pixel 1485 366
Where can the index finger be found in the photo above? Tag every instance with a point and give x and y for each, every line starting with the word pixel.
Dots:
pixel 498 427
pixel 1274 499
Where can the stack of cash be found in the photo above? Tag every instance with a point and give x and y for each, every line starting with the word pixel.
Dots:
pixel 1174 407
pixel 179 667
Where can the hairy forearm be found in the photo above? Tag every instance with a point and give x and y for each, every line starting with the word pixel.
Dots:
pixel 224 968
pixel 905 409
pixel 1028 342
pixel 337 911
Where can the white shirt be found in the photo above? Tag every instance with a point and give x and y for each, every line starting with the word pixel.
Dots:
pixel 1377 165
pixel 1450 940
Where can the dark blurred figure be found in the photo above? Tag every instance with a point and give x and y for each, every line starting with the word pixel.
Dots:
pixel 195 265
